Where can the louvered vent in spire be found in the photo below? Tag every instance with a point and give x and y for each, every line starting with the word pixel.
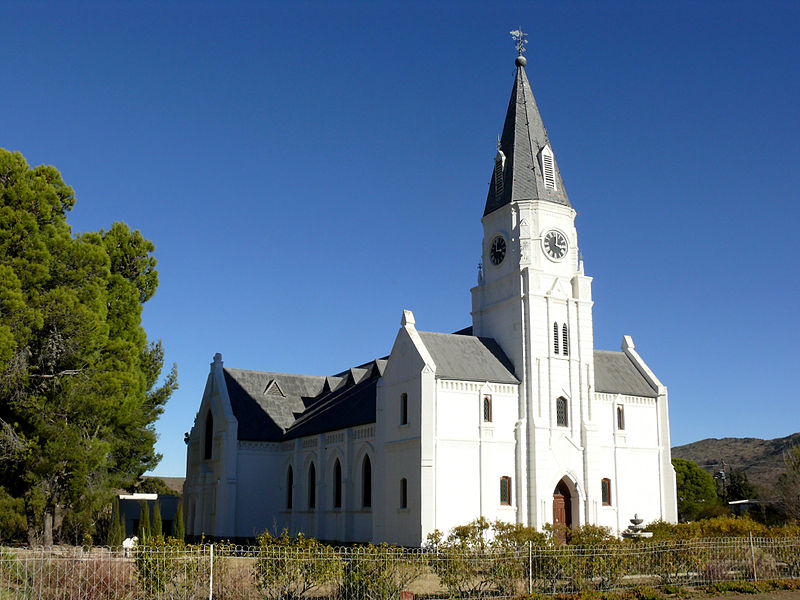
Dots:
pixel 499 171
pixel 548 167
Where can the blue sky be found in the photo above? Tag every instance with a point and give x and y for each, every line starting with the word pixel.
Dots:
pixel 307 170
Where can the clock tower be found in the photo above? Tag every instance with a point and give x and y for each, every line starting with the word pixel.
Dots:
pixel 533 298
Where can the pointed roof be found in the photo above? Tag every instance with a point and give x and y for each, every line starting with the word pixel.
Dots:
pixel 524 136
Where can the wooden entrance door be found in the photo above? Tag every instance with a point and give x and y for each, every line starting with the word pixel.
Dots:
pixel 562 511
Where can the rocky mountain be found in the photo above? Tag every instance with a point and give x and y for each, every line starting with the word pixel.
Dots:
pixel 762 460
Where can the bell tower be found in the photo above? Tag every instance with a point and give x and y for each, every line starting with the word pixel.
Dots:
pixel 533 298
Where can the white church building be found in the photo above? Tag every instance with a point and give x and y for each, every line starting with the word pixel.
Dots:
pixel 516 418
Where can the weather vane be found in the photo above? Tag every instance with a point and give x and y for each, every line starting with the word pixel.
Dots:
pixel 520 38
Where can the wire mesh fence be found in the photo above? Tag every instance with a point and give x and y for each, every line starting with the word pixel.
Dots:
pixel 385 573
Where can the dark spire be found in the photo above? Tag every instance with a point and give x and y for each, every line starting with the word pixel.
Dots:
pixel 519 164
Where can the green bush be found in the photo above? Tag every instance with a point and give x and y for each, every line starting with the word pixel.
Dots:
pixel 287 568
pixel 379 572
pixel 481 556
pixel 170 564
pixel 723 526
pixel 13 527
pixel 647 593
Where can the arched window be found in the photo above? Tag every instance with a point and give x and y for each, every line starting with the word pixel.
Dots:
pixel 487 408
pixel 555 338
pixel 289 486
pixel 564 341
pixel 337 484
pixel 208 443
pixel 366 483
pixel 620 417
pixel 505 490
pixel 403 493
pixel 312 486
pixel 562 418
pixel 605 489
pixel 403 409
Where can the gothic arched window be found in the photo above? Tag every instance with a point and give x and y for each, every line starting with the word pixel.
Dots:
pixel 312 486
pixel 208 442
pixel 487 408
pixel 337 484
pixel 289 486
pixel 562 418
pixel 505 490
pixel 555 338
pixel 366 483
pixel 620 418
pixel 605 491
pixel 564 341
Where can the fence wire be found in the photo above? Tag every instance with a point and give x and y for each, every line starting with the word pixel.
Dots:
pixel 384 573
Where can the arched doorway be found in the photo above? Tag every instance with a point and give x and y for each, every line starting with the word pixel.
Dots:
pixel 562 510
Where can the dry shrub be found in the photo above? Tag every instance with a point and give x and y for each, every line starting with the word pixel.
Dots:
pixel 86 577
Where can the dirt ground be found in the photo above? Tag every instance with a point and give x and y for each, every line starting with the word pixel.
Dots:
pixel 776 595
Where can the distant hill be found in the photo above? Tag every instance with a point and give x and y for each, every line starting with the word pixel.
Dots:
pixel 762 460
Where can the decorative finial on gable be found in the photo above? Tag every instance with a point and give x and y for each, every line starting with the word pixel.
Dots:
pixel 408 318
pixel 218 358
pixel 520 39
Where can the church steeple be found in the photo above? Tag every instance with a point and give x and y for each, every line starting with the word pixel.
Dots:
pixel 525 166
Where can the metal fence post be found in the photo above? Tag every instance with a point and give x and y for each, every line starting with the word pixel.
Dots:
pixel 211 572
pixel 753 557
pixel 530 568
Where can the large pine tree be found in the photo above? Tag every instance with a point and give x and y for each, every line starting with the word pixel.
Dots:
pixel 79 391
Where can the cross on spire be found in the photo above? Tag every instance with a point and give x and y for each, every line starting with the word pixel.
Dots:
pixel 520 39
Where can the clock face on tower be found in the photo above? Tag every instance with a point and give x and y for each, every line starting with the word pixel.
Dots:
pixel 497 252
pixel 555 244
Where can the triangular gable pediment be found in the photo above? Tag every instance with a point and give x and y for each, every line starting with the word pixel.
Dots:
pixel 273 389
pixel 559 289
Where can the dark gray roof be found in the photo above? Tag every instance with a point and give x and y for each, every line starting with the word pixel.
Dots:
pixel 264 417
pixel 614 373
pixel 346 407
pixel 309 404
pixel 468 357
pixel 523 136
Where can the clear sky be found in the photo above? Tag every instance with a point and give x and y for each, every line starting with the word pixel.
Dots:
pixel 307 170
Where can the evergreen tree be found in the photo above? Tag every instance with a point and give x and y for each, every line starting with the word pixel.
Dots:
pixel 697 492
pixel 144 522
pixel 788 485
pixel 740 487
pixel 179 529
pixel 157 528
pixel 115 530
pixel 79 390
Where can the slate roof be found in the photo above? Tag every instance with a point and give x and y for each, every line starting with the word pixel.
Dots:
pixel 614 373
pixel 467 357
pixel 302 405
pixel 264 417
pixel 524 135
pixel 308 404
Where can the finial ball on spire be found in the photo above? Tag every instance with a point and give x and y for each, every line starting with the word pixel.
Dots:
pixel 521 61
